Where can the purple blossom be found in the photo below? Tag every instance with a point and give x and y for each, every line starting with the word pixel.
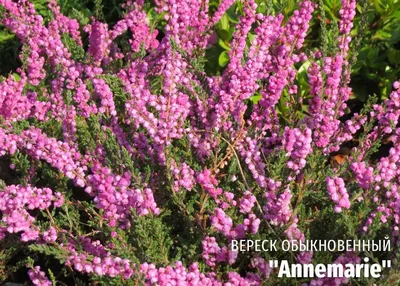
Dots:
pixel 38 277
pixel 338 193
pixel 297 145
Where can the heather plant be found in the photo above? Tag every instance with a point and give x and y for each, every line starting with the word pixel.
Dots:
pixel 128 159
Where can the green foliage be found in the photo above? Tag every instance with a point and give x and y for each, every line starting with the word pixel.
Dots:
pixel 84 136
pixel 378 59
pixel 151 239
pixel 48 250
pixel 22 164
pixel 77 51
pixel 117 87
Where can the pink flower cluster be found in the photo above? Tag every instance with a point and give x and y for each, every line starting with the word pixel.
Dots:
pixel 191 276
pixel 277 209
pixel 112 194
pixel 209 183
pixel 338 193
pixel 179 128
pixel 213 253
pixel 109 266
pixel 58 154
pixel 183 175
pixel 297 145
pixel 16 200
pixel 38 277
